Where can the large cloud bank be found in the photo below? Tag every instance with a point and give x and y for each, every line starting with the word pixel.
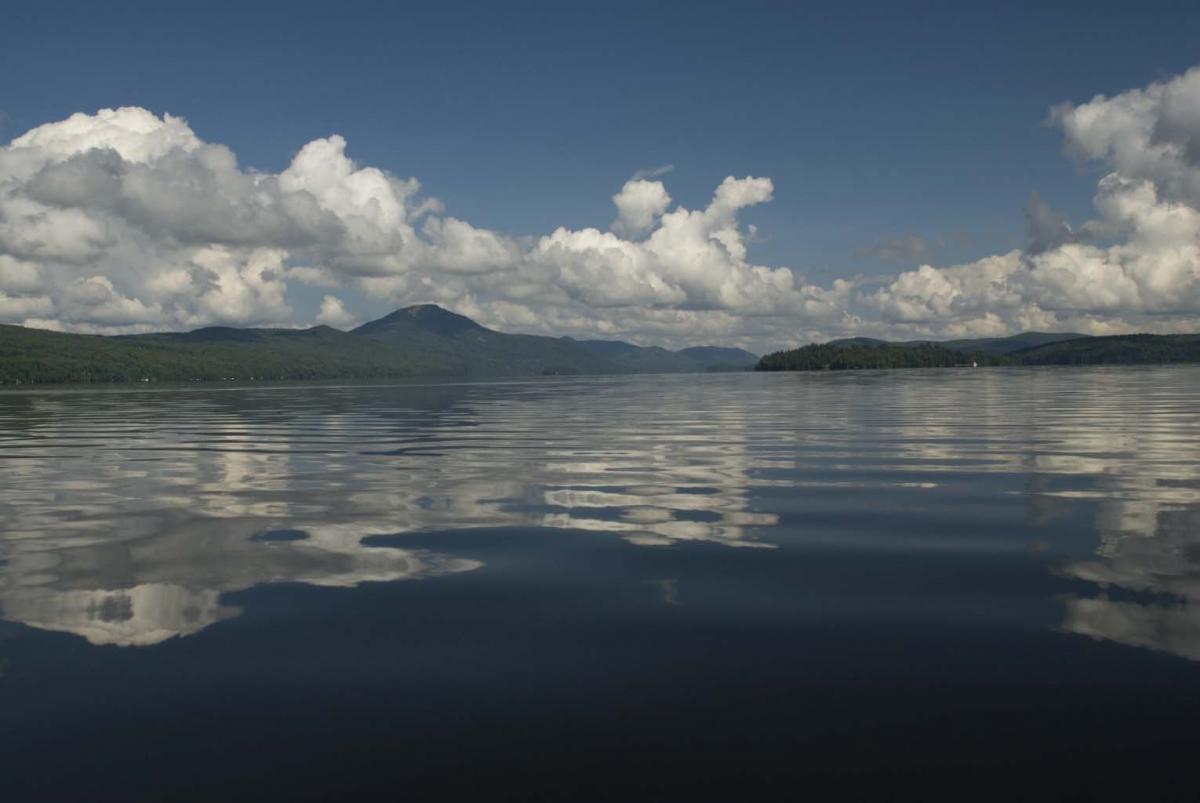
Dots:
pixel 126 221
pixel 1135 267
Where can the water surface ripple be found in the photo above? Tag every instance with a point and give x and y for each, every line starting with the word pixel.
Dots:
pixel 1039 517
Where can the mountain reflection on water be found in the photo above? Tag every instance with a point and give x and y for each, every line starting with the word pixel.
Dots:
pixel 127 515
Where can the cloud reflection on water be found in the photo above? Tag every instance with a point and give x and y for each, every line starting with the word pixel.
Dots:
pixel 126 515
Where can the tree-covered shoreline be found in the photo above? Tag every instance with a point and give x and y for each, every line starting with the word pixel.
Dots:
pixel 827 357
pixel 1139 349
pixel 427 341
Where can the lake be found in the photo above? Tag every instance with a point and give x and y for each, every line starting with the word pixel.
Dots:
pixel 973 582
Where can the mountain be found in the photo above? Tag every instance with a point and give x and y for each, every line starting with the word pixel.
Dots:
pixel 427 318
pixel 426 340
pixel 653 359
pixel 458 346
pixel 982 345
pixel 215 353
pixel 1008 345
pixel 868 341
pixel 865 353
pixel 636 359
pixel 718 357
pixel 423 340
pixel 1114 350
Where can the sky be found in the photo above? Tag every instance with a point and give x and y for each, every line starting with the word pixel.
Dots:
pixel 754 174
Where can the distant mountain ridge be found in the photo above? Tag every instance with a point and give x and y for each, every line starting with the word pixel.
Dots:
pixel 1046 349
pixel 981 345
pixel 462 347
pixel 654 359
pixel 1138 349
pixel 428 341
pixel 421 340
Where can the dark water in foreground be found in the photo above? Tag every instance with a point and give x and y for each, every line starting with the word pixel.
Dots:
pixel 968 583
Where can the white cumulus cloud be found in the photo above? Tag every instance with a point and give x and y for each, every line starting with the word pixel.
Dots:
pixel 1134 267
pixel 639 204
pixel 333 313
pixel 124 221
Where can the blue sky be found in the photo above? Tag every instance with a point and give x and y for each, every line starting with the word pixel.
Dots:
pixel 874 121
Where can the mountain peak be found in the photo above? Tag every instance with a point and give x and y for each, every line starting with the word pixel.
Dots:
pixel 429 317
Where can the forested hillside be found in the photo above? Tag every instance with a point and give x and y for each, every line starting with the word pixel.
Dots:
pixel 830 357
pixel 1076 350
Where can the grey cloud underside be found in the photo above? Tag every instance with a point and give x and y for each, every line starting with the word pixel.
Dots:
pixel 1046 228
pixel 910 248
pixel 124 221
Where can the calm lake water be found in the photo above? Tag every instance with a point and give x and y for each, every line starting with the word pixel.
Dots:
pixel 967 582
